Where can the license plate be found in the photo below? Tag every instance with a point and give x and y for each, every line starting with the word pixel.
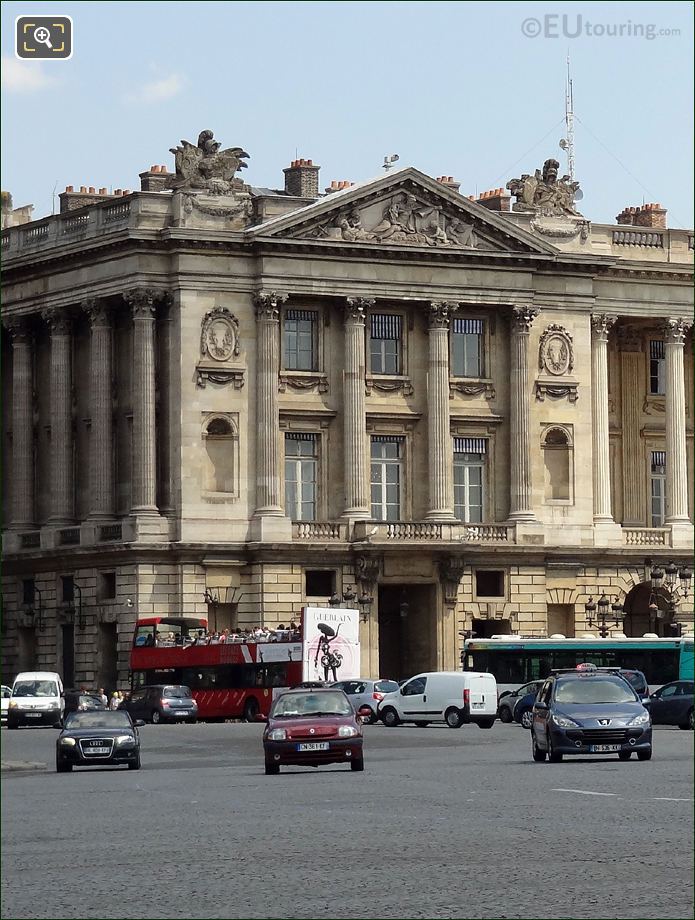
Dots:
pixel 478 705
pixel 181 714
pixel 99 750
pixel 313 746
pixel 33 715
pixel 604 748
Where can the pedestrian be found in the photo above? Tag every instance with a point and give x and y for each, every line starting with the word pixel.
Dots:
pixel 104 697
pixel 115 699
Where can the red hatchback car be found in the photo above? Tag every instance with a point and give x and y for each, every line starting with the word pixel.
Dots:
pixel 313 727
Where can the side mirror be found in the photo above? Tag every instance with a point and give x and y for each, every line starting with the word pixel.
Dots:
pixel 138 723
pixel 539 704
pixel 259 717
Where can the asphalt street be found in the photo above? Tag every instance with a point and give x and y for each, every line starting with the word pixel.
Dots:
pixel 442 824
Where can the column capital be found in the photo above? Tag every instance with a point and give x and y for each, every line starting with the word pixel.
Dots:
pixel 675 330
pixel 268 304
pixel 601 325
pixel 97 310
pixel 522 319
pixel 19 328
pixel 59 321
pixel 355 307
pixel 143 301
pixel 439 313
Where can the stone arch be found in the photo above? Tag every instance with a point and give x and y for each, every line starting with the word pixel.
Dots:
pixel 557 445
pixel 638 620
pixel 220 436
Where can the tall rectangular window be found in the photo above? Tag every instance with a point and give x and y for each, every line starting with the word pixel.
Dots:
pixel 301 467
pixel 301 340
pixel 469 479
pixel 657 368
pixel 387 475
pixel 385 344
pixel 467 347
pixel 658 488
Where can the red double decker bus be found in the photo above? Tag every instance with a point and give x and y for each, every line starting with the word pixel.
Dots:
pixel 228 679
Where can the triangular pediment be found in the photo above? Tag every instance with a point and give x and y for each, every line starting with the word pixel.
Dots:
pixel 403 208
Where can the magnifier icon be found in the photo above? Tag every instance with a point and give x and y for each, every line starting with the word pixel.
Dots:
pixel 43 37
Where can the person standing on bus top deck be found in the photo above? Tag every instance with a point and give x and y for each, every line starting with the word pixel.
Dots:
pixel 115 700
pixel 104 697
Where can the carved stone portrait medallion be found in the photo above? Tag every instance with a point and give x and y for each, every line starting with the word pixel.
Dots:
pixel 220 335
pixel 556 353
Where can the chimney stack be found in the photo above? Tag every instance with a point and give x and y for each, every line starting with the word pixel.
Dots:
pixel 154 179
pixel 449 182
pixel 302 179
pixel 338 186
pixel 70 200
pixel 649 215
pixel 495 199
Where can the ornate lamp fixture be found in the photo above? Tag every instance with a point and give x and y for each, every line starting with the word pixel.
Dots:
pixel 599 614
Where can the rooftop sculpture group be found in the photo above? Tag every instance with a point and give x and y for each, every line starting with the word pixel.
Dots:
pixel 205 167
pixel 544 194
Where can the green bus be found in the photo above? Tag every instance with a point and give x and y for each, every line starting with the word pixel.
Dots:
pixel 515 660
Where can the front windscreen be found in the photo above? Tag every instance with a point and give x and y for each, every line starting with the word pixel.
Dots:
pixel 105 719
pixel 590 690
pixel 311 704
pixel 35 688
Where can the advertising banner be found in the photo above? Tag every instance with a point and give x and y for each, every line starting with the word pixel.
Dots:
pixel 330 643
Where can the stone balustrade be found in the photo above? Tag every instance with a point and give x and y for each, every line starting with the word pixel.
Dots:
pixel 646 536
pixel 319 530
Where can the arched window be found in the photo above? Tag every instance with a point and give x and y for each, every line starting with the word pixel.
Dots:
pixel 219 439
pixel 558 465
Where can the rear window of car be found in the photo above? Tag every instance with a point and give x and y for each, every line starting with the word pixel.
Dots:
pixel 177 693
pixel 636 680
pixel 91 699
pixel 385 686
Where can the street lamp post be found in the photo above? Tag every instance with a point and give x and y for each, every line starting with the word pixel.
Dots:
pixel 212 600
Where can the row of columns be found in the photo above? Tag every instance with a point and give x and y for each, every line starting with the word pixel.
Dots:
pixel 355 440
pixel 142 305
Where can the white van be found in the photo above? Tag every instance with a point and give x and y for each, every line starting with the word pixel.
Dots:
pixel 453 697
pixel 36 699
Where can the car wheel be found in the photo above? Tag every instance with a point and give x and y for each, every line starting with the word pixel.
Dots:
pixel 134 764
pixel 553 755
pixel 251 709
pixel 453 718
pixel 526 718
pixel 538 754
pixel 63 767
pixel 272 769
pixel 12 725
pixel 486 723
pixel 422 724
pixel 156 717
pixel 357 766
pixel 390 717
pixel 505 714
pixel 644 755
pixel 373 718
pixel 624 755
pixel 688 726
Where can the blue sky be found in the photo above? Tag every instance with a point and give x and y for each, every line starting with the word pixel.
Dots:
pixel 453 88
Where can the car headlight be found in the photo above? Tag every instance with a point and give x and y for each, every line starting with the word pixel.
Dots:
pixel 347 731
pixel 68 742
pixel 641 719
pixel 564 721
pixel 54 704
pixel 13 704
pixel 277 734
pixel 125 739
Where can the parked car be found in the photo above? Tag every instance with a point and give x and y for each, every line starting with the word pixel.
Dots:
pixel 79 701
pixel 313 727
pixel 6 694
pixel 313 685
pixel 98 738
pixel 589 711
pixel 162 703
pixel 505 708
pixel 672 704
pixel 366 693
pixel 454 697
pixel 36 699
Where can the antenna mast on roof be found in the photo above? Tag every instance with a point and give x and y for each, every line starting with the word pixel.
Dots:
pixel 567 142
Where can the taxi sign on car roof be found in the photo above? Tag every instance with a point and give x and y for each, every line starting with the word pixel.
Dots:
pixel 586 666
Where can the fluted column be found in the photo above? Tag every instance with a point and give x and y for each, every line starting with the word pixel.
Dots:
pixel 22 478
pixel 631 396
pixel 676 462
pixel 101 410
pixel 521 493
pixel 60 383
pixel 268 493
pixel 441 479
pixel 355 447
pixel 600 327
pixel 144 466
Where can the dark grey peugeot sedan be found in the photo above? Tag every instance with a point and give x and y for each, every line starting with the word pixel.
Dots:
pixel 588 711
pixel 100 739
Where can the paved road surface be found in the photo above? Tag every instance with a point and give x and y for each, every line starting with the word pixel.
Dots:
pixel 442 824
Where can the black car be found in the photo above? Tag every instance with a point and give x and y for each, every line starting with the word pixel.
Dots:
pixel 162 703
pixel 101 739
pixel 79 701
pixel 508 701
pixel 589 710
pixel 672 704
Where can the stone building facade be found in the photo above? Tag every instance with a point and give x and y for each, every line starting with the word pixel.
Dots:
pixel 228 401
